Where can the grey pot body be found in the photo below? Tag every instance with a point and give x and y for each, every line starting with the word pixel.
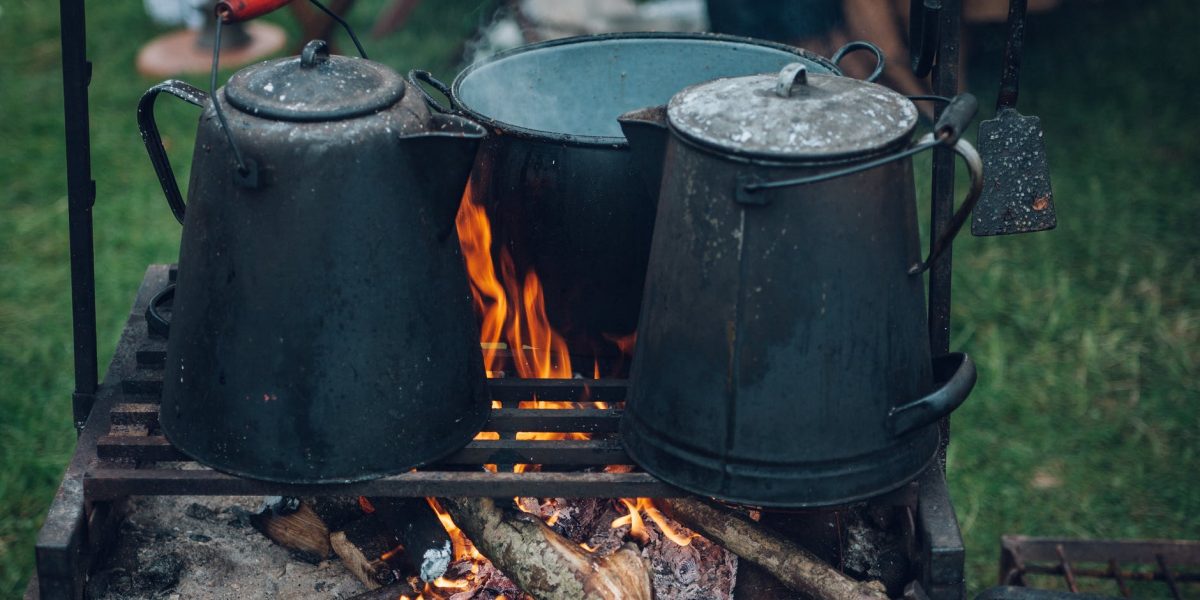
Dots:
pixel 777 341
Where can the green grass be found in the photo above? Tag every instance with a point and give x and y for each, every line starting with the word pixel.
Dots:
pixel 1084 421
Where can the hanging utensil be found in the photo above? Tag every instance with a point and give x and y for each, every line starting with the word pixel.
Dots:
pixel 1017 196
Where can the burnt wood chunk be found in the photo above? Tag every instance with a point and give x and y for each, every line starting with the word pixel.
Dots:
pixel 428 550
pixel 335 511
pixel 300 529
pixel 797 568
pixel 362 545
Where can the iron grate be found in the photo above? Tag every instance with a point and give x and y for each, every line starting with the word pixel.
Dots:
pixel 1172 564
pixel 133 457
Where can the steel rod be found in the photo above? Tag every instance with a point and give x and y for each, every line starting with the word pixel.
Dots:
pixel 1068 574
pixel 945 83
pixel 1114 571
pixel 1170 579
pixel 81 195
pixel 106 483
pixel 1108 573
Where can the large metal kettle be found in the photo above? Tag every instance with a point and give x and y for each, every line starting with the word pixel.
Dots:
pixel 783 356
pixel 322 328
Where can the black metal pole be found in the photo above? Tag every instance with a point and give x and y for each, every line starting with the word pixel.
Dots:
pixel 81 195
pixel 945 83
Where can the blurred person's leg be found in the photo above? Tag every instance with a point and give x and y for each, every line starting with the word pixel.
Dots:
pixel 885 24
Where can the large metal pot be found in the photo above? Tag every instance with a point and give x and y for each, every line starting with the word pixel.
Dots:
pixel 322 327
pixel 783 357
pixel 556 176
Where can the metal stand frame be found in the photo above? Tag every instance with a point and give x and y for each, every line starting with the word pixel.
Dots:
pixel 88 503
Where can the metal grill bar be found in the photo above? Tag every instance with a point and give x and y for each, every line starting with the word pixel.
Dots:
pixel 133 458
pixel 1170 562
pixel 591 421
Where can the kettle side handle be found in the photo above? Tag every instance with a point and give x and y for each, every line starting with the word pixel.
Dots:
pixel 955 374
pixel 153 141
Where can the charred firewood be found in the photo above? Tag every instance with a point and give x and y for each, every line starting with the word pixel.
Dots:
pixel 336 511
pixel 797 568
pixel 543 563
pixel 293 525
pixel 428 550
pixel 365 547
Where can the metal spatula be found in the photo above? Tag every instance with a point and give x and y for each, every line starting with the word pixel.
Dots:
pixel 1017 197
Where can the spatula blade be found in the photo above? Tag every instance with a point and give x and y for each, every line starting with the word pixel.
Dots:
pixel 1017 197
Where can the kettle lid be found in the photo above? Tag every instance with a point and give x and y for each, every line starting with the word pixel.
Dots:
pixel 793 115
pixel 314 87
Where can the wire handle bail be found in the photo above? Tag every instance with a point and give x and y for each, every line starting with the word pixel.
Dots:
pixel 234 11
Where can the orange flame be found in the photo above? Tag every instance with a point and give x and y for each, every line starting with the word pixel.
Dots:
pixel 637 527
pixel 463 548
pixel 512 308
pixel 514 316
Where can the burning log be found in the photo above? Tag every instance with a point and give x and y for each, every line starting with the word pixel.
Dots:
pixel 543 563
pixel 797 568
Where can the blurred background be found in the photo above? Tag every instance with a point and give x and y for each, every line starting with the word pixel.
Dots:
pixel 1084 422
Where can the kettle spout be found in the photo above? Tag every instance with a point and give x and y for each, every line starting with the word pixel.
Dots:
pixel 441 159
pixel 646 130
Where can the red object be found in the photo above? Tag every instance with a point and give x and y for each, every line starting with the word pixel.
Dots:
pixel 233 11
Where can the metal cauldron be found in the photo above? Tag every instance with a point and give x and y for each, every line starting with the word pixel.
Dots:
pixel 556 175
pixel 322 328
pixel 783 357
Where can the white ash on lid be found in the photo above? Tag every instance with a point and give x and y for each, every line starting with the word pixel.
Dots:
pixel 823 116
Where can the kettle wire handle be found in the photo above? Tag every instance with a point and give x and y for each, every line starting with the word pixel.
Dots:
pixel 969 155
pixel 153 141
pixel 948 130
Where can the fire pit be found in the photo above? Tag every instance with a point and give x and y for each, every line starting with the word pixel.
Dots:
pixel 551 438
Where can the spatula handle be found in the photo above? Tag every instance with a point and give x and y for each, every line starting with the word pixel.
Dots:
pixel 1010 74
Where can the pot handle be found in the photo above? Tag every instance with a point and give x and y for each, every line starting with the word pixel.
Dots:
pixel 956 375
pixel 156 323
pixel 153 141
pixel 970 156
pixel 855 47
pixel 417 76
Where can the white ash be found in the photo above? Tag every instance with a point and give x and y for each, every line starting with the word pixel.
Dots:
pixel 203 548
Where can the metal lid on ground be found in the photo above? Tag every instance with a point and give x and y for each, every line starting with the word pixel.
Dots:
pixel 792 115
pixel 314 87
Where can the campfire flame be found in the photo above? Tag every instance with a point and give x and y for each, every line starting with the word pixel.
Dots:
pixel 515 333
pixel 637 527
pixel 512 307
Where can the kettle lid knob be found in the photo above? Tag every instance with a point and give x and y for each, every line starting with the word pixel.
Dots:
pixel 789 77
pixel 314 53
